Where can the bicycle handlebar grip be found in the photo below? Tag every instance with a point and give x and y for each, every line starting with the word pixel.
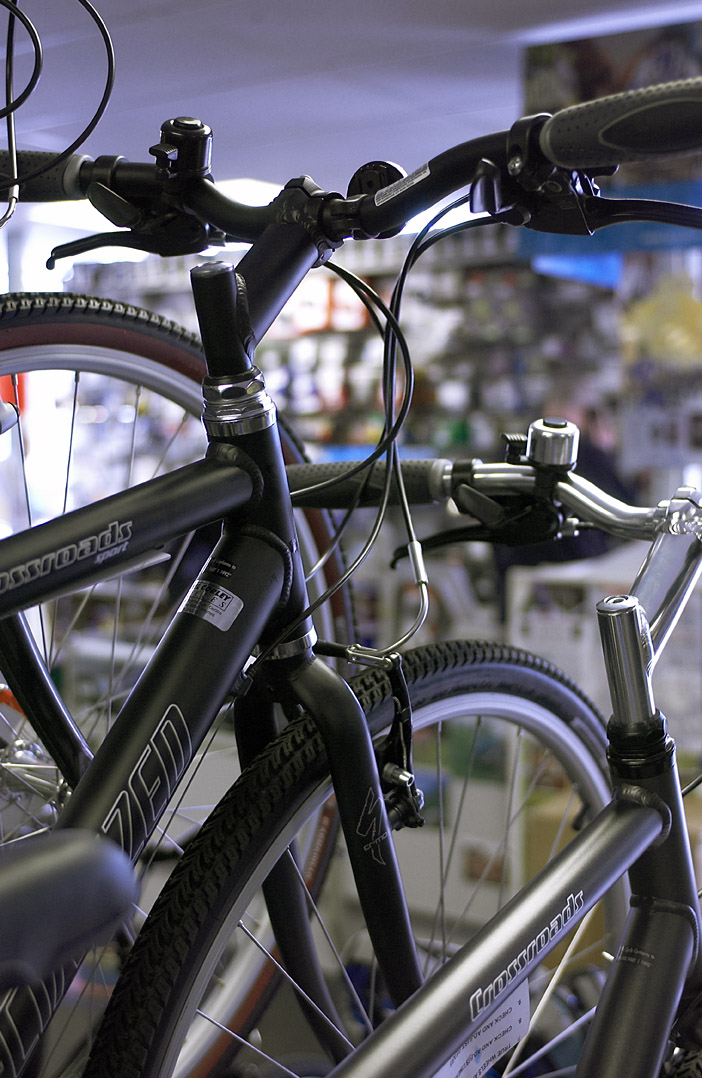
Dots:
pixel 636 125
pixel 58 184
pixel 426 482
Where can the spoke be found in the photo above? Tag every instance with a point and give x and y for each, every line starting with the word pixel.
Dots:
pixel 558 1039
pixel 69 460
pixel 64 1027
pixel 499 851
pixel 118 599
pixel 442 865
pixel 117 689
pixel 293 984
pixel 25 484
pixel 164 839
pixel 551 988
pixel 176 810
pixel 462 798
pixel 335 952
pixel 31 781
pixel 171 442
pixel 56 649
pixel 509 819
pixel 440 912
pixel 279 1068
pixel 148 621
pixel 64 507
pixel 22 451
pixel 558 838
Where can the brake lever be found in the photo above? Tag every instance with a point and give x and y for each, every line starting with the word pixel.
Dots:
pixel 566 202
pixel 182 235
pixel 92 243
pixel 557 205
pixel 529 522
pixel 569 204
pixel 602 212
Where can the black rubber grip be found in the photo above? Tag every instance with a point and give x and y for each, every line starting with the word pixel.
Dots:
pixel 637 125
pixel 59 183
pixel 426 482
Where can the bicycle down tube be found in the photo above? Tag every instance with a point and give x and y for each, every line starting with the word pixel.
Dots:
pixel 153 740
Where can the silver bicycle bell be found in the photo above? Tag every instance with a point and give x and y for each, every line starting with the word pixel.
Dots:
pixel 554 442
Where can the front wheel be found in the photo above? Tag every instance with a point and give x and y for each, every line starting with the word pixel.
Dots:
pixel 510 757
pixel 108 395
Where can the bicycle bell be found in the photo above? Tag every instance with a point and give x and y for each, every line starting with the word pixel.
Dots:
pixel 554 442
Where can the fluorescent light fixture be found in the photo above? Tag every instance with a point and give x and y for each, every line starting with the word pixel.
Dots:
pixel 614 22
pixel 250 192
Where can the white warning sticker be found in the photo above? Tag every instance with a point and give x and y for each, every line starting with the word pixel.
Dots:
pixel 400 186
pixel 498 1035
pixel 212 603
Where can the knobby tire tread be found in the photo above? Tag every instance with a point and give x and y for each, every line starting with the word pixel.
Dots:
pixel 22 306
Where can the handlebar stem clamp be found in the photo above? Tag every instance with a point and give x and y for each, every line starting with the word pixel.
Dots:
pixel 302 202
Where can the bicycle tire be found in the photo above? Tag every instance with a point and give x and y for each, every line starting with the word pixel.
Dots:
pixel 93 363
pixel 120 353
pixel 175 957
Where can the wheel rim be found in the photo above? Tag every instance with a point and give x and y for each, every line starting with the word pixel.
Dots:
pixel 205 1034
pixel 165 432
pixel 152 414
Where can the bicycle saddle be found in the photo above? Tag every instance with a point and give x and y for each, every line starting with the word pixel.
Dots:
pixel 60 893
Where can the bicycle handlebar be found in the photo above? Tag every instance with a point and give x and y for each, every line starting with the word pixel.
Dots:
pixel 438 480
pixel 57 181
pixel 425 482
pixel 631 126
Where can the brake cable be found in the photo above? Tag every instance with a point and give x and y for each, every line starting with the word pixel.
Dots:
pixel 12 103
pixel 16 12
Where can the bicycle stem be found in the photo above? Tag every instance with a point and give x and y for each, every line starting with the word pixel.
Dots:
pixel 628 656
pixel 672 567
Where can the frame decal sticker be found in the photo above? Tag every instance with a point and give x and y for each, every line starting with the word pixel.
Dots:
pixel 400 186
pixel 500 1034
pixel 212 603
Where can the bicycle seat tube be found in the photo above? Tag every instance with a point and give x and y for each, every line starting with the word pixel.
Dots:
pixel 659 956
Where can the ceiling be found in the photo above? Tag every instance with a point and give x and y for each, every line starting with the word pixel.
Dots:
pixel 316 86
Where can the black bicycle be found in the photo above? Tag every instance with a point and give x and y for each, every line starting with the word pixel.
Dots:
pixel 503 747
